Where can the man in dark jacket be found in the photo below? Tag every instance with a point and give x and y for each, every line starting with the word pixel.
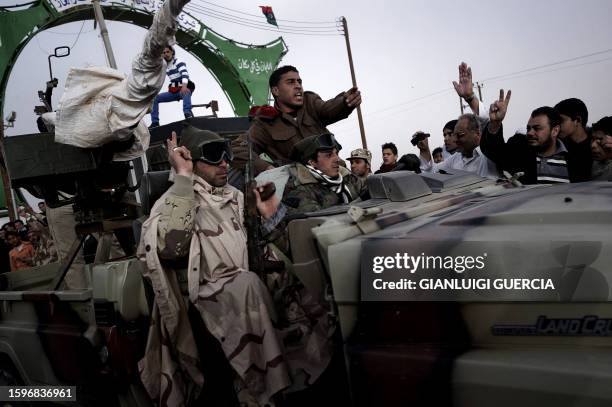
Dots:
pixel 389 154
pixel 576 138
pixel 539 155
pixel 296 114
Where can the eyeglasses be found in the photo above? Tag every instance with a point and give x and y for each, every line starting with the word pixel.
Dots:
pixel 216 151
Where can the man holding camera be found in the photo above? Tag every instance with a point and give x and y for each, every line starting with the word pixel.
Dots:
pixel 469 157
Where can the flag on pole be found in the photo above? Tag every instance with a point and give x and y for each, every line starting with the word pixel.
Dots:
pixel 267 11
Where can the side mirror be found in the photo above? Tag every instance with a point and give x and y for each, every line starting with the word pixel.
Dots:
pixel 10 120
pixel 61 52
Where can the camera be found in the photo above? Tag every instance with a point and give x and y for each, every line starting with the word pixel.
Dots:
pixel 418 136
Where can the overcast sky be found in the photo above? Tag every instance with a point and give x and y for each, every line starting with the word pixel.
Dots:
pixel 404 51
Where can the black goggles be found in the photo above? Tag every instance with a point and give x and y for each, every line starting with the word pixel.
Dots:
pixel 216 151
pixel 327 141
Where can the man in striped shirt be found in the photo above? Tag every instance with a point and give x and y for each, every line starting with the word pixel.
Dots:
pixel 177 90
pixel 539 154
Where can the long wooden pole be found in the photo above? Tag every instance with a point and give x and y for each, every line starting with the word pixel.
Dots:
pixel 364 143
pixel 104 32
pixel 6 181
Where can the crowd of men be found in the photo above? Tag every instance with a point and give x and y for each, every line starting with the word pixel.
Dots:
pixel 558 146
pixel 26 244
pixel 200 217
pixel 277 335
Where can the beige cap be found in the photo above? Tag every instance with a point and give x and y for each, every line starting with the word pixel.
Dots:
pixel 363 153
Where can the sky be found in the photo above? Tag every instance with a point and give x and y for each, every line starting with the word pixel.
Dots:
pixel 405 53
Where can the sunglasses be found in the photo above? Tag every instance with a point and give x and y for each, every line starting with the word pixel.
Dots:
pixel 216 151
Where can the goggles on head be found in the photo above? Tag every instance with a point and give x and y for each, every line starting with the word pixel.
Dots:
pixel 327 141
pixel 216 151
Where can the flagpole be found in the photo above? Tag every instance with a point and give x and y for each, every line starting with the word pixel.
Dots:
pixel 350 58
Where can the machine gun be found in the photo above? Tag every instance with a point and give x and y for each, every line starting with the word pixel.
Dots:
pixel 255 243
pixel 87 179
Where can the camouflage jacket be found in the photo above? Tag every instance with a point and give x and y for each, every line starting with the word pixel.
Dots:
pixel 275 133
pixel 190 219
pixel 205 223
pixel 44 251
pixel 303 193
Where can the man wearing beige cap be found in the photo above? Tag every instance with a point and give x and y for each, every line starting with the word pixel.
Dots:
pixel 361 162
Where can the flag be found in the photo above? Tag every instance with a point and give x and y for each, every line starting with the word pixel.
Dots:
pixel 267 11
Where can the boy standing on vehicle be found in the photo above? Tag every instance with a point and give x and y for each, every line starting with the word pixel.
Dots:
pixel 178 88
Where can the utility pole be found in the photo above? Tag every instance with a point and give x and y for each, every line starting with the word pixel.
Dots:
pixel 479 86
pixel 104 32
pixel 140 162
pixel 364 143
pixel 6 181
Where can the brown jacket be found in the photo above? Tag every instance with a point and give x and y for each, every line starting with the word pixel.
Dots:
pixel 276 135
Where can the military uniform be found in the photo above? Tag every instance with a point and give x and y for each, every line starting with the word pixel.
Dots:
pixel 44 251
pixel 304 193
pixel 275 133
pixel 204 224
pixel 364 154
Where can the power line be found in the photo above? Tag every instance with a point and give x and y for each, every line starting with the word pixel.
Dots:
pixel 263 21
pixel 78 35
pixel 44 51
pixel 557 69
pixel 352 127
pixel 71 33
pixel 195 11
pixel 256 15
pixel 547 65
pixel 500 77
pixel 263 24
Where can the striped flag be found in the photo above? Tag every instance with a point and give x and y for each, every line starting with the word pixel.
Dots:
pixel 267 11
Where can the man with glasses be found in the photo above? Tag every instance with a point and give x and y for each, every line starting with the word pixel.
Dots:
pixel 468 157
pixel 199 221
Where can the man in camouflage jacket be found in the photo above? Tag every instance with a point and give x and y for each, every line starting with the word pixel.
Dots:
pixel 296 115
pixel 316 181
pixel 200 218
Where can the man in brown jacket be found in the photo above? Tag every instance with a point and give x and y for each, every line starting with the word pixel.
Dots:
pixel 296 114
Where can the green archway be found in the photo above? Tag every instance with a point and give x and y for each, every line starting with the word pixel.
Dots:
pixel 241 70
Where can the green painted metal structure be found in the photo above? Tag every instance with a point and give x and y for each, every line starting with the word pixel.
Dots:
pixel 241 70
